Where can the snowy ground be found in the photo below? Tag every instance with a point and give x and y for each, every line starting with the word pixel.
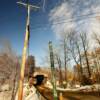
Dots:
pixel 95 87
pixel 6 95
pixel 71 95
pixel 86 88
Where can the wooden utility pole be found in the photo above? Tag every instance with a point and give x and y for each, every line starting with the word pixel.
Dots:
pixel 20 89
pixel 53 71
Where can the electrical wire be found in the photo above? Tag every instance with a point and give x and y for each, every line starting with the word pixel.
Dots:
pixel 84 15
pixel 79 18
pixel 60 20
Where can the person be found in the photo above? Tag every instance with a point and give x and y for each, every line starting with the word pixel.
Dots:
pixel 29 91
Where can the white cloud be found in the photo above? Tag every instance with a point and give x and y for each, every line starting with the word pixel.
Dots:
pixel 58 14
pixel 68 13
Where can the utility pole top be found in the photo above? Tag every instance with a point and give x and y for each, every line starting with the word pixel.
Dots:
pixel 27 4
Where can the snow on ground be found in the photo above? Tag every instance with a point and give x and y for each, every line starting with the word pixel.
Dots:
pixel 94 87
pixel 6 95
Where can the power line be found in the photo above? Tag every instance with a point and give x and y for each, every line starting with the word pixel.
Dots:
pixel 84 15
pixel 66 21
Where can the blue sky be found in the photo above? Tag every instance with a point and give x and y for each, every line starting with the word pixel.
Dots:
pixel 13 22
pixel 12 27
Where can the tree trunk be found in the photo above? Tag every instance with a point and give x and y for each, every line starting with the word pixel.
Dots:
pixel 60 72
pixel 86 56
pixel 65 58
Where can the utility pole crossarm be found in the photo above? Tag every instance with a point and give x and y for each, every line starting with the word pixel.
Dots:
pixel 31 6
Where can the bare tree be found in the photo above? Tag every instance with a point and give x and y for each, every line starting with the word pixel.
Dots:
pixel 74 47
pixel 95 56
pixel 84 40
pixel 79 54
pixel 15 79
pixel 96 37
pixel 9 69
pixel 60 69
pixel 63 45
pixel 65 58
